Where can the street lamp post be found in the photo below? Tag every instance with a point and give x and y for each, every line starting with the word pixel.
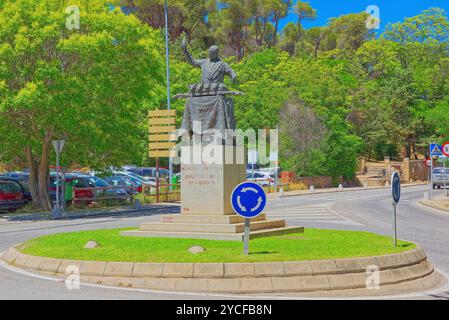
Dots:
pixel 167 62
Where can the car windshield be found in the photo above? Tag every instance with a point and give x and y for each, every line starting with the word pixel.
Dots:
pixel 134 175
pixel 135 181
pixel 9 187
pixel 98 182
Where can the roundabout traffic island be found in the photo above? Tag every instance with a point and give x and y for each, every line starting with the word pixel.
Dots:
pixel 327 263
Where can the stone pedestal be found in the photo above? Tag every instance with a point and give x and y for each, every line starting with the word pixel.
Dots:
pixel 207 183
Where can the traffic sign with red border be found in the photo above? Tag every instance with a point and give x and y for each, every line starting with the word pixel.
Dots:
pixel 446 149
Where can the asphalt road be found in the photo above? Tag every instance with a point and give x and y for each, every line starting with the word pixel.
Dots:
pixel 369 210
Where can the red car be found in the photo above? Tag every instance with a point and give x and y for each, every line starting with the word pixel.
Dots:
pixel 11 196
pixel 86 192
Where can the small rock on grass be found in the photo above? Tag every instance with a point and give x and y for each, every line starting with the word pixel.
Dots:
pixel 91 245
pixel 196 249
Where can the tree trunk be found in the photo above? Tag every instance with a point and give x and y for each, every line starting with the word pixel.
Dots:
pixel 33 177
pixel 43 176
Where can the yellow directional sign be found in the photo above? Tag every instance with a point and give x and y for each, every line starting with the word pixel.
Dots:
pixel 162 137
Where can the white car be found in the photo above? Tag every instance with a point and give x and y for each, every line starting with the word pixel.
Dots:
pixel 265 179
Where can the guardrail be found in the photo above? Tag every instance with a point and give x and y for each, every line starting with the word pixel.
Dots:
pixel 271 186
pixel 165 192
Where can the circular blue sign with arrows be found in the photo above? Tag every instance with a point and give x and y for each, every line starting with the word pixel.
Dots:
pixel 248 200
pixel 396 187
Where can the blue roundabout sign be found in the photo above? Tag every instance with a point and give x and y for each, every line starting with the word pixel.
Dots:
pixel 396 187
pixel 248 200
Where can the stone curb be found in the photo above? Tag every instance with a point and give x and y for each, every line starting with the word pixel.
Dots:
pixel 244 278
pixel 219 270
pixel 429 204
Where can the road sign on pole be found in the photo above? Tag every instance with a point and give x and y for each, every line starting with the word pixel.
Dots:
pixel 445 149
pixel 58 145
pixel 248 201
pixel 396 194
pixel 435 150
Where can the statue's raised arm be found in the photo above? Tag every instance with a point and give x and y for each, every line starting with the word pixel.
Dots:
pixel 189 58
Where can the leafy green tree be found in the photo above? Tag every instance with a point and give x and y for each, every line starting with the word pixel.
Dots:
pixel 304 11
pixel 289 38
pixel 90 86
pixel 431 25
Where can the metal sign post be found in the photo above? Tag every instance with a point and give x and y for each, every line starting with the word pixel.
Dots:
pixel 246 236
pixel 445 150
pixel 396 194
pixel 57 211
pixel 431 178
pixel 435 151
pixel 248 201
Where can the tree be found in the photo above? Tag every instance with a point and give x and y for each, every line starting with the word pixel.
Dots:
pixel 304 11
pixel 185 16
pixel 289 38
pixel 350 31
pixel 279 10
pixel 431 25
pixel 88 86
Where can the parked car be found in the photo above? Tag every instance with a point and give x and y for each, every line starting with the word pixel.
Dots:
pixel 149 172
pixel 19 175
pixel 23 184
pixel 440 175
pixel 264 179
pixel 135 178
pixel 11 197
pixel 77 181
pixel 118 193
pixel 126 183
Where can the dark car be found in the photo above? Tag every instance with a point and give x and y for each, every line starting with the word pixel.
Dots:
pixel 18 175
pixel 149 172
pixel 109 191
pixel 23 184
pixel 131 187
pixel 11 197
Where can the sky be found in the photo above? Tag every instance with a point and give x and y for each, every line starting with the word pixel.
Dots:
pixel 390 10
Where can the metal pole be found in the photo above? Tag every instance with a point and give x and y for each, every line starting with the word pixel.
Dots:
pixel 431 178
pixel 157 180
pixel 167 62
pixel 246 237
pixel 395 234
pixel 444 175
pixel 57 181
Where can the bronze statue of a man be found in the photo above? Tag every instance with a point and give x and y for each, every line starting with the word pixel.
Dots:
pixel 213 69
pixel 209 107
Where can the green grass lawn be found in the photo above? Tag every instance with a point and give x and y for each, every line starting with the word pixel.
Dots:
pixel 313 244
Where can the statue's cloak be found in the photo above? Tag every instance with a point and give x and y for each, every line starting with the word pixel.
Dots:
pixel 211 112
